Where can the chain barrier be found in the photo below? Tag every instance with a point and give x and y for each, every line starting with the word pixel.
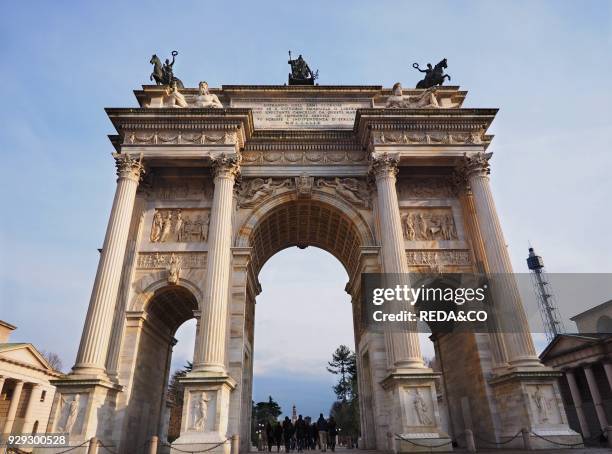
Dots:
pixel 72 448
pixel 194 452
pixel 102 445
pixel 450 442
pixel 484 440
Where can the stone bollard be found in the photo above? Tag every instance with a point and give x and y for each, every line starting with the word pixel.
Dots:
pixel 235 444
pixel 609 436
pixel 526 439
pixel 153 445
pixel 93 446
pixel 469 441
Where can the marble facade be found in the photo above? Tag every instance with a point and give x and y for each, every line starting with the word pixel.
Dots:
pixel 383 189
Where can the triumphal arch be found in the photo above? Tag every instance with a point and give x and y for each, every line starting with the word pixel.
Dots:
pixel 212 183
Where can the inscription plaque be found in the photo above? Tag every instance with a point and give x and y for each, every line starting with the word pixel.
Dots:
pixel 303 114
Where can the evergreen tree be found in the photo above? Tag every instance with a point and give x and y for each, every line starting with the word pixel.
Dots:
pixel 343 363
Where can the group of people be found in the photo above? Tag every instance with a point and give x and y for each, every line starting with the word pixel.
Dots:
pixel 303 434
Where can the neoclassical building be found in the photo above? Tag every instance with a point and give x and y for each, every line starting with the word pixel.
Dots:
pixel 26 392
pixel 212 184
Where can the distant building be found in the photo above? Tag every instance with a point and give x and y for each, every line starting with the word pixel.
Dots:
pixel 26 393
pixel 586 360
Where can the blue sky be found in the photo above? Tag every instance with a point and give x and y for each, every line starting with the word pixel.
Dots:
pixel 545 64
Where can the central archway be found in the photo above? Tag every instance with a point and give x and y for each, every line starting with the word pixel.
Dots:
pixel 321 221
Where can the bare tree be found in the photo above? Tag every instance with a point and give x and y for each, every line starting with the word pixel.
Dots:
pixel 53 359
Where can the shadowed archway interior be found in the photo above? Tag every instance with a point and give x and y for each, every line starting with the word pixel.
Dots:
pixel 302 224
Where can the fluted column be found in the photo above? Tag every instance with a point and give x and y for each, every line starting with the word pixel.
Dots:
pixel 12 411
pixel 599 407
pixel 95 339
pixel 212 336
pixel 28 420
pixel 608 369
pixel 517 335
pixel 575 392
pixel 403 349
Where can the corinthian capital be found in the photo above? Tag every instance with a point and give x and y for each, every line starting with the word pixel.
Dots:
pixel 226 166
pixel 128 167
pixel 476 164
pixel 384 166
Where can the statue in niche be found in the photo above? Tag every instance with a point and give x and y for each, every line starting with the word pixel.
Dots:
pixel 421 409
pixel 259 188
pixel 164 74
pixel 201 412
pixel 300 72
pixel 176 97
pixel 350 189
pixel 174 269
pixel 398 100
pixel 205 99
pixel 433 76
pixel 156 229
pixel 73 412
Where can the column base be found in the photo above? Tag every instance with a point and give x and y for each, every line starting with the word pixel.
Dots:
pixel 415 423
pixel 205 416
pixel 530 399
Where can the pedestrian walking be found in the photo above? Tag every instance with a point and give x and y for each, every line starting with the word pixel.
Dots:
pixel 322 428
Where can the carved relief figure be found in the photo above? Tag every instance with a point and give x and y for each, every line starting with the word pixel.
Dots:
pixel 174 269
pixel 156 228
pixel 259 188
pixel 303 185
pixel 421 409
pixel 541 404
pixel 350 189
pixel 73 412
pixel 179 227
pixel 205 99
pixel 409 232
pixel 201 412
pixel 429 225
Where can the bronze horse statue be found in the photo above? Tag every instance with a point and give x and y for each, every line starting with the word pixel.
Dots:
pixel 433 76
pixel 162 73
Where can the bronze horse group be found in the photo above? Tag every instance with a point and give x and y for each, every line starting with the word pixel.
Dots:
pixel 162 73
pixel 433 76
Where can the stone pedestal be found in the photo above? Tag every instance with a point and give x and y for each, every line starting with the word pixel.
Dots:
pixel 415 416
pixel 204 422
pixel 531 400
pixel 84 409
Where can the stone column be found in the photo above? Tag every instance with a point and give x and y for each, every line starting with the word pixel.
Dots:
pixel 607 365
pixel 12 411
pixel 575 392
pixel 28 420
pixel 212 336
pixel 517 336
pixel 1 383
pixel 402 347
pixel 95 339
pixel 599 408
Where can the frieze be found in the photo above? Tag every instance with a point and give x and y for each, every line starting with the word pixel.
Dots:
pixel 428 138
pixel 182 189
pixel 429 224
pixel 179 226
pixel 180 138
pixel 432 258
pixel 163 260
pixel 424 188
pixel 297 157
